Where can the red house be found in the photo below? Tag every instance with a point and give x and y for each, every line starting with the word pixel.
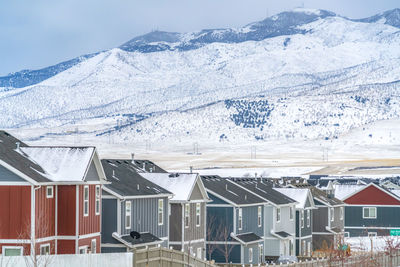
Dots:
pixel 50 198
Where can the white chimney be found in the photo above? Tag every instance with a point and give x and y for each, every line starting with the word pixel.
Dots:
pixel 133 157
pixel 144 166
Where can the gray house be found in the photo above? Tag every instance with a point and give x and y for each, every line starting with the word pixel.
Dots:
pixel 279 215
pixel 187 231
pixel 235 222
pixel 328 218
pixel 304 221
pixel 135 210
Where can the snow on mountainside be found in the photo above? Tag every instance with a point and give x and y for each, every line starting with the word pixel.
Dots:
pixel 306 74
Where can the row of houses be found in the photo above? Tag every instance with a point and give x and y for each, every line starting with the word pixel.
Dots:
pixel 66 200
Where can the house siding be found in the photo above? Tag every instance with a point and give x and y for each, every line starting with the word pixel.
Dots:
pixel 386 217
pixel 45 211
pixel 8 176
pixel 175 220
pixel 234 256
pixel 66 206
pixel 320 219
pixel 91 223
pixel 194 232
pixel 109 220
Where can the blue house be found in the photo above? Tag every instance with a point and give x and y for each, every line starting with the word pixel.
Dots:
pixel 135 210
pixel 235 222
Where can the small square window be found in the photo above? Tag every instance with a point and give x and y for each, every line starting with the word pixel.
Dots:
pixel 49 191
pixel 45 249
pixel 12 251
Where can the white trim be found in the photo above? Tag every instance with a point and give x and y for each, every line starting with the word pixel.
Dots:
pixel 322 233
pixel 160 200
pixel 308 218
pixel 15 241
pixel 187 242
pixel 110 245
pixel 369 208
pixel 86 213
pixel 12 247
pixel 108 197
pixel 240 219
pixel 220 205
pixel 52 191
pixel 95 246
pixel 56 219
pixel 232 203
pixel 33 214
pixel 259 216
pixel 116 195
pixel 280 215
pixel 89 235
pixel 187 210
pixel 371 227
pixel 77 218
pixel 128 227
pixel 303 237
pixel 198 208
pixel 17 172
pixel 83 247
pixel 119 218
pixel 15 184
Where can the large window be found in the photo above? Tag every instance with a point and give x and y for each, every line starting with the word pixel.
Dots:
pixel 302 218
pixel 45 249
pixel 160 211
pixel 369 213
pixel 259 214
pixel 128 214
pixel 278 214
pixel 97 206
pixel 308 218
pixel 198 214
pixel 49 191
pixel 332 214
pixel 240 219
pixel 86 201
pixel 187 215
pixel 12 251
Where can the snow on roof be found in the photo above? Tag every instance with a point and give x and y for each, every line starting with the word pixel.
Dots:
pixel 395 192
pixel 343 191
pixel 61 164
pixel 180 184
pixel 298 194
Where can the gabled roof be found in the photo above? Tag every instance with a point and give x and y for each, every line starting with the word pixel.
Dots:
pixel 125 181
pixel 43 164
pixel 264 189
pixel 230 192
pixel 180 184
pixel 247 238
pixel 320 195
pixel 391 199
pixel 299 194
pixel 343 191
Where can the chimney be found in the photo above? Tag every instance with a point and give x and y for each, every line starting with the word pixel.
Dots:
pixel 17 143
pixel 191 169
pixel 133 157
pixel 144 166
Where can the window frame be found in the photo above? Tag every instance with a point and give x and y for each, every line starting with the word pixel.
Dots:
pixel 372 234
pixel 95 246
pixel 198 214
pixel 187 215
pixel 302 218
pixel 369 208
pixel 251 253
pixel 332 214
pixel 291 213
pixel 128 225
pixel 240 219
pixel 4 248
pixel 341 213
pixel 52 191
pixel 47 245
pixel 160 212
pixel 259 216
pixel 86 201
pixel 308 218
pixel 261 252
pixel 85 248
pixel 278 215
pixel 97 200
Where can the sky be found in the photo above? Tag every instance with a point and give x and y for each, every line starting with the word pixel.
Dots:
pixel 40 33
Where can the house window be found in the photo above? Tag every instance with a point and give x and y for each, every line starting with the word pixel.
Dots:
pixel 303 247
pixel 187 215
pixel 371 234
pixel 341 213
pixel 291 213
pixel 309 249
pixel 83 250
pixel 369 213
pixel 308 218
pixel 302 218
pixel 198 214
pixel 332 214
pixel 278 214
pixel 98 200
pixel 261 251
pixel 250 254
pixel 128 214
pixel 45 249
pixel 240 219
pixel 198 254
pixel 12 251
pixel 86 201
pixel 346 234
pixel 160 211
pixel 259 213
pixel 93 246
pixel 49 191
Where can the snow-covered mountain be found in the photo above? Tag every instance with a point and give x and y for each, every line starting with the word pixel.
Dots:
pixel 304 74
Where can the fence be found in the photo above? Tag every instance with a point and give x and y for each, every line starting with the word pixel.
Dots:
pixel 361 260
pixel 163 257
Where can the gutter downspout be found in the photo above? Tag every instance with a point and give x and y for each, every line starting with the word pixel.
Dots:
pixel 33 216
pixel 183 228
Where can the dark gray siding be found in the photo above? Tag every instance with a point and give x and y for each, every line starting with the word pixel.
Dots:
pixel 307 229
pixel 8 176
pixel 386 217
pixel 108 220
pixel 92 174
pixel 222 217
pixel 145 216
pixel 194 232
pixel 338 222
pixel 250 223
pixel 175 230
pixel 320 219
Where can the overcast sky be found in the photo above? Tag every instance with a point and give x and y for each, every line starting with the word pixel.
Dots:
pixel 39 33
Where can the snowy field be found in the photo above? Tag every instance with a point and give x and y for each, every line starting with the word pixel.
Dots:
pixel 379 243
